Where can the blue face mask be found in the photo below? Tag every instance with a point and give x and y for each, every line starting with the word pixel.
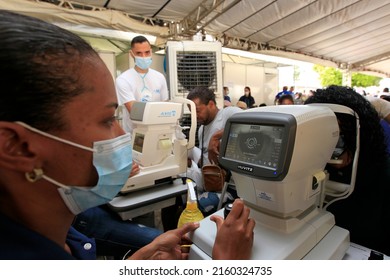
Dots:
pixel 112 159
pixel 143 62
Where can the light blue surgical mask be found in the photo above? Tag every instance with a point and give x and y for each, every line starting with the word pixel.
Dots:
pixel 112 159
pixel 143 62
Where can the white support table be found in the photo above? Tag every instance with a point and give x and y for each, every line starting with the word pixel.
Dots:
pixel 143 201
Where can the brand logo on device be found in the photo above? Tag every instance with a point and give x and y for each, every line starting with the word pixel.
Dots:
pixel 168 113
pixel 245 168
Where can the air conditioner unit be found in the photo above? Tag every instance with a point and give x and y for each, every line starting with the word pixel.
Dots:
pixel 194 63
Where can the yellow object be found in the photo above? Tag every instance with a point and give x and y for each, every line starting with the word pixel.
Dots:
pixel 165 144
pixel 191 213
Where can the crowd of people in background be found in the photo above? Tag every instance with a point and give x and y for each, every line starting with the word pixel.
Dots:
pixel 288 96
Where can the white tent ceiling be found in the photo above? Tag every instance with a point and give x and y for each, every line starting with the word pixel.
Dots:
pixel 350 34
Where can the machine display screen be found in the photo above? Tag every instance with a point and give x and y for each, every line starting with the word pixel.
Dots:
pixel 138 142
pixel 255 144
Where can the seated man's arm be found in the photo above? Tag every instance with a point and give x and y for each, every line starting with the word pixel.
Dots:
pixel 214 144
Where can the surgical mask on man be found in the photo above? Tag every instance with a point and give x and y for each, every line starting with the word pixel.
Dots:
pixel 143 62
pixel 112 159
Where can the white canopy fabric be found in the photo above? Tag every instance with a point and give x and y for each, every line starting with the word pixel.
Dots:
pixel 105 18
pixel 349 34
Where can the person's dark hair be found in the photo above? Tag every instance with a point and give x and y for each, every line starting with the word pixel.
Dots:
pixel 285 96
pixel 372 142
pixel 40 70
pixel 138 40
pixel 204 94
pixel 386 89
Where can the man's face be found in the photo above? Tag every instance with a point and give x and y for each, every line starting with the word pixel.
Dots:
pixel 202 112
pixel 141 50
pixel 287 101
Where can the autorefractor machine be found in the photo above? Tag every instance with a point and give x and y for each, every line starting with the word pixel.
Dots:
pixel 277 156
pixel 159 145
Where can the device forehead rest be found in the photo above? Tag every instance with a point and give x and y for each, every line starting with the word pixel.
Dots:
pixel 336 108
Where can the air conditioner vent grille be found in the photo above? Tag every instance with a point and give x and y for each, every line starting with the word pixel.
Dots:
pixel 196 68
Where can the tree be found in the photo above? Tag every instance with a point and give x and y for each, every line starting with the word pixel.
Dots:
pixel 332 76
pixel 329 75
pixel 361 80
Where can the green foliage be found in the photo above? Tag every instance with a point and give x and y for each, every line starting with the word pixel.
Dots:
pixel 329 75
pixel 361 80
pixel 332 76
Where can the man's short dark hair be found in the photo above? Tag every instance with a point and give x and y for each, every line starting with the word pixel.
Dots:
pixel 204 94
pixel 138 40
pixel 285 97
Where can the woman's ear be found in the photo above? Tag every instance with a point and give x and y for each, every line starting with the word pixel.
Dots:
pixel 14 148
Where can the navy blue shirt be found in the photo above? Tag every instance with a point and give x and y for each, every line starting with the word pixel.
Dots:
pixel 18 242
pixel 282 93
pixel 249 101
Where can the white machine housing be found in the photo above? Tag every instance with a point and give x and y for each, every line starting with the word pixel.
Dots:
pixel 159 147
pixel 277 156
pixel 294 144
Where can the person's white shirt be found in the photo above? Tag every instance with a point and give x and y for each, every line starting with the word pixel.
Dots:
pixel 131 85
pixel 381 106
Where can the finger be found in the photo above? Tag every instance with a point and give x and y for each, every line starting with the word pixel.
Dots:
pixel 250 226
pixel 245 213
pixel 218 220
pixel 187 228
pixel 184 256
pixel 237 209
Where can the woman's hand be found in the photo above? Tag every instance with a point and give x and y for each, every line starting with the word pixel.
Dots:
pixel 167 246
pixel 234 238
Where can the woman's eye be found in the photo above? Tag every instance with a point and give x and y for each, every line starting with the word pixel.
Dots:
pixel 112 120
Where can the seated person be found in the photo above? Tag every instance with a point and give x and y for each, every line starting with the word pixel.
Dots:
pixel 57 161
pixel 382 106
pixel 212 121
pixel 247 98
pixel 366 212
pixel 283 92
pixel 286 99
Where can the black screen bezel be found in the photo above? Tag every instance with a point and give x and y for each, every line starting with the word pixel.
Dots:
pixel 286 121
